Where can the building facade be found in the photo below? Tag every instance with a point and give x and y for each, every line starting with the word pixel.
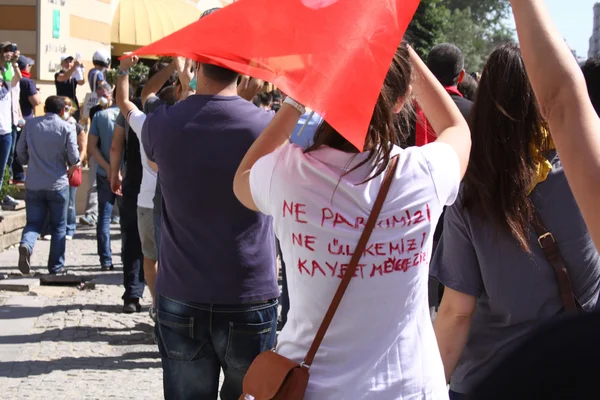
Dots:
pixel 46 30
pixel 594 49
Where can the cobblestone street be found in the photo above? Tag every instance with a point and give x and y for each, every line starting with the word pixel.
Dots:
pixel 64 343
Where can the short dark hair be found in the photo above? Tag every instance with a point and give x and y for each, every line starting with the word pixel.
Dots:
pixel 468 87
pixel 219 74
pixel 276 93
pixel 265 99
pixel 168 95
pixel 446 61
pixel 591 72
pixel 54 104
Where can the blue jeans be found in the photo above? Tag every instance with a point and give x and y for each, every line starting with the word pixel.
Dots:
pixel 5 147
pixel 39 203
pixel 106 201
pixel 13 163
pixel 131 254
pixel 71 213
pixel 197 340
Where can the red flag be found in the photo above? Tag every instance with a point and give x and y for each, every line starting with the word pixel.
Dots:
pixel 331 55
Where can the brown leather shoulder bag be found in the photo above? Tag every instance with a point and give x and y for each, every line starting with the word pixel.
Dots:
pixel 275 377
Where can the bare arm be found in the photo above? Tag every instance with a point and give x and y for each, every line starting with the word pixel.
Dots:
pixel 125 105
pixel 562 94
pixel 452 325
pixel 157 81
pixel 185 74
pixel 94 151
pixel 67 74
pixel 275 135
pixel 116 155
pixel 441 111
pixel 82 145
pixel 17 76
pixel 35 100
pixel 153 166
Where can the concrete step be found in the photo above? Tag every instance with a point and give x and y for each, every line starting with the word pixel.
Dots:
pixel 11 228
pixel 19 192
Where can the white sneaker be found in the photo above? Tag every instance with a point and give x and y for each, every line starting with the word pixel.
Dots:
pixel 47 237
pixel 69 237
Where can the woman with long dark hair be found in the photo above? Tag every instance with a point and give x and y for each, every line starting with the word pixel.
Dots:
pixel 499 283
pixel 380 344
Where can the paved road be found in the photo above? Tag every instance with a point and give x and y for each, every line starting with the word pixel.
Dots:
pixel 62 343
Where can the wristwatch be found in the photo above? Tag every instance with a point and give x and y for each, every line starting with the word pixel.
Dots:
pixel 123 73
pixel 299 107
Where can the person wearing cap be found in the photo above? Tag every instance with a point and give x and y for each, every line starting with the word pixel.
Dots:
pixel 65 81
pixel 10 111
pixel 29 98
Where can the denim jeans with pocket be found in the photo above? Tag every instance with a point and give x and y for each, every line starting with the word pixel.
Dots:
pixel 71 212
pixel 106 202
pixel 197 340
pixel 38 204
pixel 5 147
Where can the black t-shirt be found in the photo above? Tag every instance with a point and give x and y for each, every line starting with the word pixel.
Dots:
pixel 93 112
pixel 464 105
pixel 67 88
pixel 27 89
pixel 132 170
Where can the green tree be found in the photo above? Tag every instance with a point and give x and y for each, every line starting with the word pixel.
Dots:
pixel 427 25
pixel 475 26
pixel 489 11
pixel 461 30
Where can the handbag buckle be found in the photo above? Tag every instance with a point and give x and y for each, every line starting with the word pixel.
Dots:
pixel 544 236
pixel 304 365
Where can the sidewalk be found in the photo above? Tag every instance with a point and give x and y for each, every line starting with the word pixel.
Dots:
pixel 62 343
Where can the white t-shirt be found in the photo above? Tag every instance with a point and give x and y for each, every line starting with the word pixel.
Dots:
pixel 381 343
pixel 6 113
pixel 148 187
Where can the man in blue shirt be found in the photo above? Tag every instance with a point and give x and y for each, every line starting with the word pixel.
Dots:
pixel 47 145
pixel 99 141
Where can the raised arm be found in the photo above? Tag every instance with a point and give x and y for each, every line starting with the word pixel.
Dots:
pixel 67 74
pixel 125 105
pixel 18 75
pixel 157 81
pixel 441 111
pixel 561 91
pixel 275 135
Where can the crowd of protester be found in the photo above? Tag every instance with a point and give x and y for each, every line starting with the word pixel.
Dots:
pixel 214 175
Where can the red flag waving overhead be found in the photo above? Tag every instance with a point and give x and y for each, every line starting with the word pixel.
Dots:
pixel 331 55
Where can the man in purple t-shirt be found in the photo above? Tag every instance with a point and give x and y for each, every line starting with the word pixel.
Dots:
pixel 216 286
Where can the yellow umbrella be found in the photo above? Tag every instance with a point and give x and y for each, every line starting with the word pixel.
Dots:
pixel 137 23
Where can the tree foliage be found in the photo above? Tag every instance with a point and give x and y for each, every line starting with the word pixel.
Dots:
pixel 475 26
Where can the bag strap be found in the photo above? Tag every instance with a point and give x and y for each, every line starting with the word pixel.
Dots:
pixel 360 248
pixel 548 244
